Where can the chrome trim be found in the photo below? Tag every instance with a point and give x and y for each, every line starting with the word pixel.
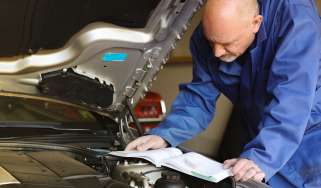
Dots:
pixel 6 178
pixel 163 106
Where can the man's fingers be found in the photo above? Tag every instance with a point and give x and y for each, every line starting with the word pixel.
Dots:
pixel 147 142
pixel 239 166
pixel 131 146
pixel 153 143
pixel 229 163
pixel 145 146
pixel 250 173
pixel 137 142
pixel 244 169
pixel 248 165
pixel 259 177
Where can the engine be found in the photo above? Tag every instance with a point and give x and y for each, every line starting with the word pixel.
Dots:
pixel 141 174
pixel 30 168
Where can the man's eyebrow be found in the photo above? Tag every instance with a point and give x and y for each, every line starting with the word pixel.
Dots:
pixel 211 40
pixel 223 43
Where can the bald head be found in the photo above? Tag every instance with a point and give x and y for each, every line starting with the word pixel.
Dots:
pixel 226 22
pixel 241 9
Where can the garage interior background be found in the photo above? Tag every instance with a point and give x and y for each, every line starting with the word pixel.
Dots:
pixel 179 70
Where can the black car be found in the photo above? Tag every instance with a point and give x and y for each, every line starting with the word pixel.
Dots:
pixel 70 74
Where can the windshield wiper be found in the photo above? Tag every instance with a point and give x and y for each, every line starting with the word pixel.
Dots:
pixel 83 140
pixel 22 146
pixel 41 125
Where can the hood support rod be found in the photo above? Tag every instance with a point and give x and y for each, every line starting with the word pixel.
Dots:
pixel 132 114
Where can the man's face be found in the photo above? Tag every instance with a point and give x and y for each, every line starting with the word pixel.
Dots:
pixel 228 41
pixel 229 32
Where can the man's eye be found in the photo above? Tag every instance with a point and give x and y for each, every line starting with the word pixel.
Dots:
pixel 230 46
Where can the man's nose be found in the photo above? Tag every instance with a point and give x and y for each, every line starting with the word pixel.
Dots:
pixel 219 50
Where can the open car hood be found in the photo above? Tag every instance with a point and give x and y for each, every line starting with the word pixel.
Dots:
pixel 96 53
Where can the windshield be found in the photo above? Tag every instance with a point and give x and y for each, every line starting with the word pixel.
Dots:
pixel 43 121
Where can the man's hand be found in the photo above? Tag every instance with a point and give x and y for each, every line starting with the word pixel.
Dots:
pixel 244 169
pixel 147 142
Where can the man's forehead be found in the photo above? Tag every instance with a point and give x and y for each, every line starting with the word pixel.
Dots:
pixel 221 21
pixel 223 34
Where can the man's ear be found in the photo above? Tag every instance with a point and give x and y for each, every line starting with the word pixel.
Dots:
pixel 257 21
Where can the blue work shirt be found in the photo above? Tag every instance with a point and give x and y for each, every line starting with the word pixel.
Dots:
pixel 276 83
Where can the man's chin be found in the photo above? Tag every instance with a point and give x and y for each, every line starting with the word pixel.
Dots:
pixel 228 59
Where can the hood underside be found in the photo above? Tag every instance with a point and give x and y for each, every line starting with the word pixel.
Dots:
pixel 93 53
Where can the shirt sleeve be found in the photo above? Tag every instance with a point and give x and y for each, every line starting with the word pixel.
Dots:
pixel 291 86
pixel 194 107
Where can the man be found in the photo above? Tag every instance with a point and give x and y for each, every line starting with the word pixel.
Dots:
pixel 264 55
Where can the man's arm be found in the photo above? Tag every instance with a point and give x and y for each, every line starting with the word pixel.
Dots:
pixel 193 108
pixel 291 85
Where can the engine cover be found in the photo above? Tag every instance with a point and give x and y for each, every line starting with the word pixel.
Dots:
pixel 42 169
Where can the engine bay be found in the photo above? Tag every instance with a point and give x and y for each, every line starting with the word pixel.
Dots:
pixel 53 168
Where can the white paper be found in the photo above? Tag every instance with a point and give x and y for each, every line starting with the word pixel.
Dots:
pixel 191 163
pixel 198 165
pixel 154 156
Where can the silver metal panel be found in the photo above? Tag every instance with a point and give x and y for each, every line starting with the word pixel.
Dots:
pixel 147 51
